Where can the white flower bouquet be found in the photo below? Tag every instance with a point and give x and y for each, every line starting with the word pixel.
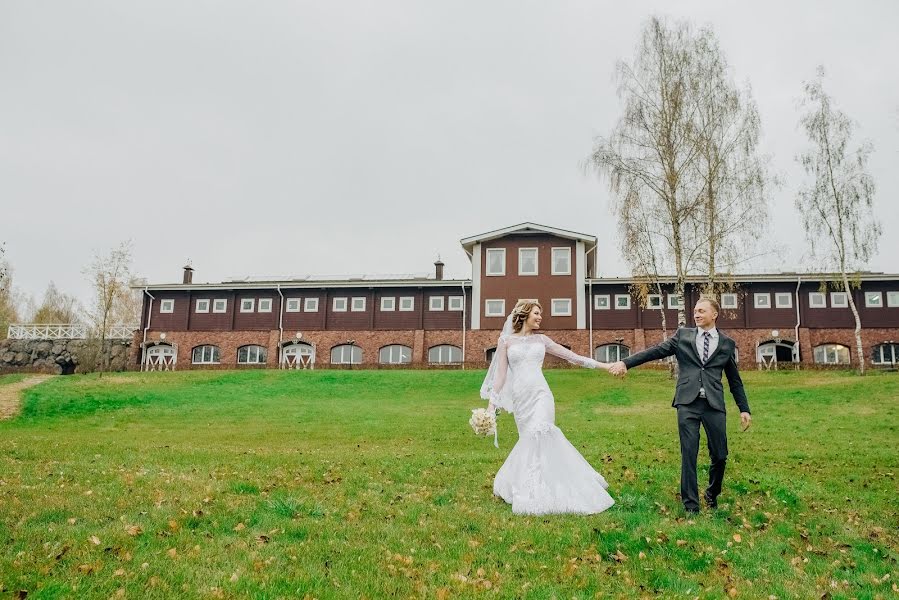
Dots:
pixel 483 421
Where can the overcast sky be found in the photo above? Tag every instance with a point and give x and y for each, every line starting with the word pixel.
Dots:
pixel 283 138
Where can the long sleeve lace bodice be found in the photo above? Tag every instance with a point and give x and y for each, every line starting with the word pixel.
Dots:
pixel 527 353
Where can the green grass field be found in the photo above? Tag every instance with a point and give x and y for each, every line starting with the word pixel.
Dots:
pixel 370 484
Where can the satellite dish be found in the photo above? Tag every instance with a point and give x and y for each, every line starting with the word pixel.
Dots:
pixel 162 335
pixel 299 335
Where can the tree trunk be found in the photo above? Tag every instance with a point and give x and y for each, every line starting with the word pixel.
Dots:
pixel 859 352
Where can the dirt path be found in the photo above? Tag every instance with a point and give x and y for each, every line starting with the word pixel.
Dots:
pixel 10 394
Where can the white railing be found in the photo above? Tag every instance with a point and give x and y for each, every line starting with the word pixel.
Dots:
pixel 67 331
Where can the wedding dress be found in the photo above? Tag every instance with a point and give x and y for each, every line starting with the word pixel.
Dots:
pixel 544 473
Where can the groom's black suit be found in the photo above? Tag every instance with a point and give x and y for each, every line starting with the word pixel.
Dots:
pixel 692 409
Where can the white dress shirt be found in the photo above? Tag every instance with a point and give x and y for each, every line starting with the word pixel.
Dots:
pixel 700 342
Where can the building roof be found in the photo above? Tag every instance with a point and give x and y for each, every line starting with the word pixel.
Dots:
pixel 756 278
pixel 314 282
pixel 526 229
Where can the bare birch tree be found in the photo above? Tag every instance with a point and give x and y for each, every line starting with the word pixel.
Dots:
pixel 110 276
pixel 650 156
pixel 8 304
pixel 837 203
pixel 732 172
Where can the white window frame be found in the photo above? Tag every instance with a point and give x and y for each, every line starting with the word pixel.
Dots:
pixel 388 303
pixel 215 305
pixel 357 304
pixel 392 351
pixel 167 305
pixel 817 300
pixel 881 350
pixel 757 299
pixel 244 305
pixel 893 299
pixel 259 349
pixel 339 304
pixel 442 351
pixel 204 308
pixel 596 300
pixel 498 313
pixel 203 360
pixel 566 312
pixel 435 303
pixel 825 348
pixel 627 305
pixel 567 252
pixel 343 349
pixel 878 304
pixel 456 303
pixel 487 271
pixel 675 301
pixel 264 305
pixel 650 298
pixel 310 305
pixel 297 302
pixel 733 303
pixel 407 303
pixel 778 296
pixel 835 304
pixel 536 262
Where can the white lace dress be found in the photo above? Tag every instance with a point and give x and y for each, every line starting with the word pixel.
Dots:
pixel 544 473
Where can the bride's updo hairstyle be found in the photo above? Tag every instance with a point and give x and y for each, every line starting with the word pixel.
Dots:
pixel 521 312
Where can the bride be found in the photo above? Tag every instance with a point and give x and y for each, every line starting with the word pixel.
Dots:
pixel 544 473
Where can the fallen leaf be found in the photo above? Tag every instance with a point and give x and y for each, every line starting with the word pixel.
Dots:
pixel 134 530
pixel 240 527
pixel 172 552
pixel 681 543
pixel 737 538
pixel 619 556
pixel 173 525
pixel 72 520
pixel 94 540
pixel 234 578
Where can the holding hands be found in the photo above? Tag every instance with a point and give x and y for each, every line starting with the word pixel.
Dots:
pixel 618 369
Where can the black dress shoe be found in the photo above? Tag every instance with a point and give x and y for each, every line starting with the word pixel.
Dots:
pixel 691 511
pixel 710 500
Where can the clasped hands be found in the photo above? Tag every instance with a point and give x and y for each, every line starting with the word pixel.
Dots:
pixel 617 369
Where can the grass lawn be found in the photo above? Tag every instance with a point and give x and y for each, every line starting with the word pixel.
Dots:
pixel 370 484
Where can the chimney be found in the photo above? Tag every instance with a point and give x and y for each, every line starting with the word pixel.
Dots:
pixel 188 274
pixel 438 269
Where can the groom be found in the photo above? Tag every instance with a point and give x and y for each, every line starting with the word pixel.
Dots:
pixel 703 354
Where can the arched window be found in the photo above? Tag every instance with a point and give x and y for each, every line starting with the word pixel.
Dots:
pixel 885 354
pixel 611 352
pixel 346 354
pixel 251 355
pixel 395 354
pixel 206 355
pixel 445 355
pixel 831 354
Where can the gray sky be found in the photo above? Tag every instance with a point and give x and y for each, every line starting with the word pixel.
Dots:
pixel 282 138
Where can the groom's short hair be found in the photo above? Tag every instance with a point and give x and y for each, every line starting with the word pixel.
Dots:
pixel 711 301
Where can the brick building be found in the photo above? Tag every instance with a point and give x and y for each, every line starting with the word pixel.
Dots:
pixel 430 321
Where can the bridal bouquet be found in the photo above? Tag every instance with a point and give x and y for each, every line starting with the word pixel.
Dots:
pixel 482 421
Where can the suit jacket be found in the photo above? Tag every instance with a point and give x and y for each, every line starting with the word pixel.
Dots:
pixel 693 373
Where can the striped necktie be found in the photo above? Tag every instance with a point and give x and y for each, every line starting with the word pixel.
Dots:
pixel 705 345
